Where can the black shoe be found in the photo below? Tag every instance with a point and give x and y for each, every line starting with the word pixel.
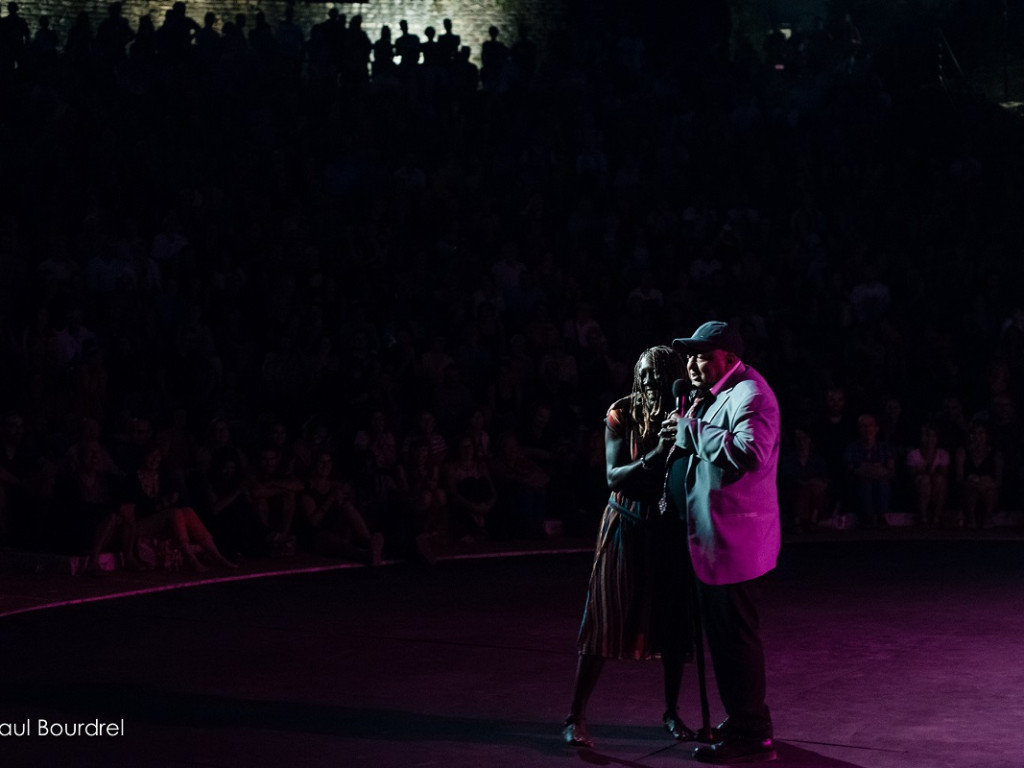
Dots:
pixel 715 734
pixel 720 731
pixel 677 727
pixel 736 751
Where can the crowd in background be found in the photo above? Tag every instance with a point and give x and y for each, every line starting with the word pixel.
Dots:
pixel 344 294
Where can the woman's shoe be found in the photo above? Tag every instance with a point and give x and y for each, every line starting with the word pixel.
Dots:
pixel 675 726
pixel 575 732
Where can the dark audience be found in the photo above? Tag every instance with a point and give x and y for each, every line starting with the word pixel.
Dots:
pixel 216 236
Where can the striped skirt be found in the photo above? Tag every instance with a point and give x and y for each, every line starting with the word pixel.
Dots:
pixel 640 594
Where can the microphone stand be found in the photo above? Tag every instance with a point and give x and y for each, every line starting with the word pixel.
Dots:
pixel 704 735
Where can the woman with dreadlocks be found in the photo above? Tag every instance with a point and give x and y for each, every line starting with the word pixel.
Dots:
pixel 638 604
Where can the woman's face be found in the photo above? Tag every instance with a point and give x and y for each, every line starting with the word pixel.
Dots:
pixel 651 384
pixel 279 434
pixel 978 436
pixel 324 464
pixel 427 423
pixel 221 433
pixel 93 458
pixel 152 460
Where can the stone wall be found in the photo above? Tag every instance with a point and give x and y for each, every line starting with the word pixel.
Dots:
pixel 470 18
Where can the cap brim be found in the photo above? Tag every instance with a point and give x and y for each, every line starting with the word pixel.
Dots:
pixel 692 346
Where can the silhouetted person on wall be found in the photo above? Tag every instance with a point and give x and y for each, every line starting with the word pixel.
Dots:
pixel 142 53
pixel 331 37
pixel 466 77
pixel 113 36
pixel 494 56
pixel 523 58
pixel 290 40
pixel 261 38
pixel 429 48
pixel 174 37
pixel 209 45
pixel 236 46
pixel 448 42
pixel 356 53
pixel 432 71
pixel 15 37
pixel 383 64
pixel 407 48
pixel 79 49
pixel 44 50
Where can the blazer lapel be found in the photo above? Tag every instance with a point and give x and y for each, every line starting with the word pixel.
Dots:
pixel 719 402
pixel 716 406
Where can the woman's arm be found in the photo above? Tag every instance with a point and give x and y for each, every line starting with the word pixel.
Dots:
pixel 629 476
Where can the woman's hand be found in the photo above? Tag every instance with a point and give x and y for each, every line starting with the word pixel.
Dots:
pixel 667 433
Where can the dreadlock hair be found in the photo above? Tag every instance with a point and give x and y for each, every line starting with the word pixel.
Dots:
pixel 668 366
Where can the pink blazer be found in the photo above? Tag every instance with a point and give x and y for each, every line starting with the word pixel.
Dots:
pixel 732 455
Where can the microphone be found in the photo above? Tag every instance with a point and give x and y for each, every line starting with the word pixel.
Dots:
pixel 679 387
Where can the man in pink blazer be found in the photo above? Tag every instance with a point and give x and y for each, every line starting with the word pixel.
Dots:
pixel 723 481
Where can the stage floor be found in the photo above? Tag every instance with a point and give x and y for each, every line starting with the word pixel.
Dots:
pixel 881 654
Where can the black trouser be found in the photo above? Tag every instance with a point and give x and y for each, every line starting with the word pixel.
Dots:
pixel 731 624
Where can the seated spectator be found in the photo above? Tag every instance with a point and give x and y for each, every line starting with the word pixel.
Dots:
pixel 275 492
pixel 489 326
pixel 378 441
pixel 951 424
pixel 803 482
pixel 871 467
pixel 451 401
pixel 1006 434
pixel 928 466
pixel 471 497
pixel 315 437
pixel 23 474
pixel 551 443
pixel 330 523
pixel 521 489
pixel 433 362
pixel 425 431
pixel 176 446
pixel 220 444
pixel 278 437
pixel 151 508
pixel 832 433
pixel 230 512
pixel 88 433
pixel 505 398
pixel 477 431
pixel 897 431
pixel 979 473
pixel 419 481
pixel 87 516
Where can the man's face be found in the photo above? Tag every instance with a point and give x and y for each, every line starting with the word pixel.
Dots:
pixel 707 368
pixel 868 428
pixel 268 462
pixel 836 400
pixel 14 428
